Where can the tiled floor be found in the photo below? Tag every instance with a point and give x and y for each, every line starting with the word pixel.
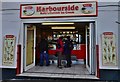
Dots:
pixel 77 70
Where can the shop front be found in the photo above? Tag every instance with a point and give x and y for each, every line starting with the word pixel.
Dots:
pixel 54 20
pixel 95 52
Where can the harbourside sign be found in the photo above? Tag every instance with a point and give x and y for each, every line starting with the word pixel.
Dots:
pixel 55 10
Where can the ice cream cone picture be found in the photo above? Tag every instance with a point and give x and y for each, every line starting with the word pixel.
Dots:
pixel 113 57
pixel 105 57
pixel 111 42
pixel 105 50
pixel 8 53
pixel 28 10
pixel 105 43
pixel 113 48
pixel 108 49
pixel 87 8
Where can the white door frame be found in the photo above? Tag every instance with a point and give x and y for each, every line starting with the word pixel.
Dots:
pixel 92 49
pixel 40 21
pixel 25 48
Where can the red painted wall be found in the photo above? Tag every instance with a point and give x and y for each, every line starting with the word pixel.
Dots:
pixel 18 69
pixel 80 54
pixel 97 52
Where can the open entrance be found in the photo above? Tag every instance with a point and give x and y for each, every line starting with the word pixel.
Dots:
pixel 83 56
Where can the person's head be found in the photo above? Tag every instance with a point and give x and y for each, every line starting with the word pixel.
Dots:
pixel 43 35
pixel 61 37
pixel 68 37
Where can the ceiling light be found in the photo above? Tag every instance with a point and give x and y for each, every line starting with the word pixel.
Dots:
pixel 62 27
pixel 48 23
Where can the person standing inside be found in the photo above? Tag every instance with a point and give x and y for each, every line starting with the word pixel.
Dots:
pixel 38 39
pixel 59 50
pixel 68 47
pixel 44 51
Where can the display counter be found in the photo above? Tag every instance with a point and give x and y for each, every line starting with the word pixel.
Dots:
pixel 79 51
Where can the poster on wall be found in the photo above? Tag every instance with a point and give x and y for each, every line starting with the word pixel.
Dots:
pixel 8 50
pixel 109 49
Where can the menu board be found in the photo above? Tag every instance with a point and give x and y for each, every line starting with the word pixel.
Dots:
pixel 8 50
pixel 109 56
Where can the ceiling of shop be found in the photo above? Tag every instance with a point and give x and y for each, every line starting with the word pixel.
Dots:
pixel 78 26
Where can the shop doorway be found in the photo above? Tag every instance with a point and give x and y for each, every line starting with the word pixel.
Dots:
pixel 82 34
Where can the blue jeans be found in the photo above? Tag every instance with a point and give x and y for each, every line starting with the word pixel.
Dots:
pixel 42 57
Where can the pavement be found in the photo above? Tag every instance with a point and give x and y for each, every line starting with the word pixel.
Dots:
pixel 56 80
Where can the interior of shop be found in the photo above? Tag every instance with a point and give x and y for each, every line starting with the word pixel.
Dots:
pixel 52 31
pixel 80 34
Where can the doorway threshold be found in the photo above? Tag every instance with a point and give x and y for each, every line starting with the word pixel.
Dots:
pixel 53 76
pixel 76 71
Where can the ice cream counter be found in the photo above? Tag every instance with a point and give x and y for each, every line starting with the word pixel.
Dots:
pixel 79 51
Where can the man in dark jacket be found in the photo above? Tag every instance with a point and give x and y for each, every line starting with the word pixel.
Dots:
pixel 67 51
pixel 44 52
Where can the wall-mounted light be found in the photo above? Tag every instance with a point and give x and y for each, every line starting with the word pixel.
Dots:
pixel 48 23
pixel 62 27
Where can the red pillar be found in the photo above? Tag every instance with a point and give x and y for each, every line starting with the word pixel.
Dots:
pixel 18 69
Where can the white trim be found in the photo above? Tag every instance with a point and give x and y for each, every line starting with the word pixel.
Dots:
pixel 110 67
pixel 62 20
pixel 88 67
pixel 28 67
pixel 91 48
pixel 34 44
pixel 24 44
pixel 86 51
pixel 8 67
pixel 70 19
